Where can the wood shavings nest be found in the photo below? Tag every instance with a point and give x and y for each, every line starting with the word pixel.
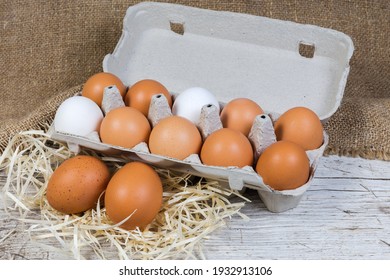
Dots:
pixel 191 211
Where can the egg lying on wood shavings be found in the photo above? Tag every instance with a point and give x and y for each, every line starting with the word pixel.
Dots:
pixel 302 126
pixel 95 85
pixel 189 103
pixel 134 193
pixel 75 186
pixel 78 115
pixel 139 95
pixel 284 165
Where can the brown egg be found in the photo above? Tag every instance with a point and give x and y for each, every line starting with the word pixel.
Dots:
pixel 239 114
pixel 94 86
pixel 75 186
pixel 302 126
pixel 227 147
pixel 140 94
pixel 125 127
pixel 175 137
pixel 284 165
pixel 136 190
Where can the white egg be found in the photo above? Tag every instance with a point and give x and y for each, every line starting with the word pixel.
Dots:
pixel 189 103
pixel 78 115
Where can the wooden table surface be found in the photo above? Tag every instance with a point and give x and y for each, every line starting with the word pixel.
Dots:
pixel 345 214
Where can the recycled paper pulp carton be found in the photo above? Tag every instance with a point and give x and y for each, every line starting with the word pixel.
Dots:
pixel 278 64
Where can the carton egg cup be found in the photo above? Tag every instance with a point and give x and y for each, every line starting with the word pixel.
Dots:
pixel 278 64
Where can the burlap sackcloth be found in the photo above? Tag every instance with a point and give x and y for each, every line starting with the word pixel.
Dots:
pixel 50 48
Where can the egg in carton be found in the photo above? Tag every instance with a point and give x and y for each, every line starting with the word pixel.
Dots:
pixel 262 134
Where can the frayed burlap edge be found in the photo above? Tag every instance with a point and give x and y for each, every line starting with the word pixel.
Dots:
pixel 363 153
pixel 39 119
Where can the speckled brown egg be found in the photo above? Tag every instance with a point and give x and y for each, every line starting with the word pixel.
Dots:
pixel 75 186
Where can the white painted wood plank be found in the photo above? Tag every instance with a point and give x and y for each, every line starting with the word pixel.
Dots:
pixel 348 167
pixel 339 228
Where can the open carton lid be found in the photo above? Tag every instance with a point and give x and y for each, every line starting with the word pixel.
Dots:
pixel 278 64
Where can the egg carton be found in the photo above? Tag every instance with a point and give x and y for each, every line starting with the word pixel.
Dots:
pixel 278 64
pixel 261 135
